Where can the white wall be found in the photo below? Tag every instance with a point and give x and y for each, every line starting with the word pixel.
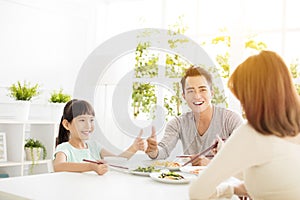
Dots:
pixel 45 41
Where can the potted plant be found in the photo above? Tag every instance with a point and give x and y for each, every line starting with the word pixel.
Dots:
pixel 58 100
pixel 35 150
pixel 23 93
pixel 59 97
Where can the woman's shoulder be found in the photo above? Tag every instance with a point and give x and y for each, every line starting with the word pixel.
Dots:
pixel 247 132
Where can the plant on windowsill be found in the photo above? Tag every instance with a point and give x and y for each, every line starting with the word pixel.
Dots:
pixel 57 100
pixel 23 94
pixel 59 97
pixel 35 150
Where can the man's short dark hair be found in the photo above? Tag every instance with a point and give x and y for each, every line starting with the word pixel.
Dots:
pixel 196 71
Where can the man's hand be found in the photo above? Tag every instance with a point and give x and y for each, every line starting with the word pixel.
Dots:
pixel 200 161
pixel 220 145
pixel 152 149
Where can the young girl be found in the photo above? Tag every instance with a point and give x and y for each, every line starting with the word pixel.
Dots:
pixel 76 126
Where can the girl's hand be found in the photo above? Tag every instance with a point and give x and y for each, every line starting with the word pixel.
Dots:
pixel 100 169
pixel 138 144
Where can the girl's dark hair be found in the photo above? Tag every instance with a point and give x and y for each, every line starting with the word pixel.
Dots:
pixel 73 109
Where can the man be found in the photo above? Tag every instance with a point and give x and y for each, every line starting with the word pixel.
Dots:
pixel 200 127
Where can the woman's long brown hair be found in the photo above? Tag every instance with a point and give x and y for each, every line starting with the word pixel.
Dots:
pixel 264 86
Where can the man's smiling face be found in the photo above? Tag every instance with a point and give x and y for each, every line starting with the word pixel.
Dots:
pixel 197 93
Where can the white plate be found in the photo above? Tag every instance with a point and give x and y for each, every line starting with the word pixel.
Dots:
pixel 161 164
pixel 173 168
pixel 155 175
pixel 189 169
pixel 139 173
pixel 132 171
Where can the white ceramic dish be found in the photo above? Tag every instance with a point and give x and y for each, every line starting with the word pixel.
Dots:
pixel 187 178
pixel 164 164
pixel 192 169
pixel 139 173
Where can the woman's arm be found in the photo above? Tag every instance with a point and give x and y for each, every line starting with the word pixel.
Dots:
pixel 60 164
pixel 238 153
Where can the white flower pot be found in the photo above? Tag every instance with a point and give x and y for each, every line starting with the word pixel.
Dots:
pixel 57 111
pixel 33 154
pixel 17 110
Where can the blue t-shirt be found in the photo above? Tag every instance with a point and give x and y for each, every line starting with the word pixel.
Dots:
pixel 77 155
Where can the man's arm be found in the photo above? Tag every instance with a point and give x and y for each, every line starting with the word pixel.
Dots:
pixel 162 149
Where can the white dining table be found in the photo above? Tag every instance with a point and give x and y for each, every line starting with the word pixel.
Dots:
pixel 116 184
pixel 67 185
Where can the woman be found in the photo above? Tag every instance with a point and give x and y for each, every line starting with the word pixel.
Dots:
pixel 267 148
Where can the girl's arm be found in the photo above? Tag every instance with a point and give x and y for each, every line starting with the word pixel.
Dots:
pixel 137 145
pixel 60 164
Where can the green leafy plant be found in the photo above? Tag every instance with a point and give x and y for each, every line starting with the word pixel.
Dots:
pixel 34 143
pixel 31 144
pixel 24 92
pixel 146 66
pixel 143 97
pixel 59 97
pixel 294 69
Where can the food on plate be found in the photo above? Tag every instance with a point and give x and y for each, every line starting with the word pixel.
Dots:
pixel 192 169
pixel 196 171
pixel 165 164
pixel 146 169
pixel 171 175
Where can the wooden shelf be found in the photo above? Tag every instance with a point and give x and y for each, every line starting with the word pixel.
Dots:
pixel 8 164
pixel 16 133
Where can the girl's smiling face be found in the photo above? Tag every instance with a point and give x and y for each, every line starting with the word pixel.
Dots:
pixel 81 127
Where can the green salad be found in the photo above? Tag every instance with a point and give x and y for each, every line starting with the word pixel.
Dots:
pixel 146 169
pixel 171 175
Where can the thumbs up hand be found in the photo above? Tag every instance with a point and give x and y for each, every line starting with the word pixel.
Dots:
pixel 139 142
pixel 152 149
